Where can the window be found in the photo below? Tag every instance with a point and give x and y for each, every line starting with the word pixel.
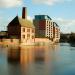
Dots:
pixel 51 28
pixel 47 34
pixel 1 40
pixel 23 29
pixel 11 40
pixel 32 37
pixel 28 35
pixel 23 36
pixel 33 30
pixel 28 30
pixel 47 24
pixel 51 23
pixel 47 27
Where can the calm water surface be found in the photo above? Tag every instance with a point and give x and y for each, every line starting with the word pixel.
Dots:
pixel 38 60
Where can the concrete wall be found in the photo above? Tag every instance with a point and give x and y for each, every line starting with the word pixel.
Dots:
pixel 9 42
pixel 16 42
pixel 56 40
pixel 42 41
pixel 28 42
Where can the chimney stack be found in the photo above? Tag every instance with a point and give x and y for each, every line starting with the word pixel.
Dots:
pixel 24 13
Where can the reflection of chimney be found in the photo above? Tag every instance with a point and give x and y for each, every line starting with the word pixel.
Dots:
pixel 24 12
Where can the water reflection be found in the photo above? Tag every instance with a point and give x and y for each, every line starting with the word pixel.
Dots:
pixel 13 54
pixel 72 44
pixel 33 60
pixel 38 60
pixel 28 54
pixel 39 55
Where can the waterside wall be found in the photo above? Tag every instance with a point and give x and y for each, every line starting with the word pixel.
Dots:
pixel 17 42
pixel 9 42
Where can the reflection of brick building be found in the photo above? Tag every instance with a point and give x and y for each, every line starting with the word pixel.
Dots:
pixel 22 29
pixel 45 27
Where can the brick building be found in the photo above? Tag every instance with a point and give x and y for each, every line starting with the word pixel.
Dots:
pixel 56 32
pixel 45 27
pixel 22 29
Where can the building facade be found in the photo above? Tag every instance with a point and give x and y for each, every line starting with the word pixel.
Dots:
pixel 56 32
pixel 22 29
pixel 41 23
pixel 45 27
pixel 49 29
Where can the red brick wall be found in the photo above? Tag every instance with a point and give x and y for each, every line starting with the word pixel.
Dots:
pixel 42 24
pixel 14 30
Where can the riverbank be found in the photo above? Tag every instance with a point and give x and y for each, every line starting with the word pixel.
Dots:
pixel 17 42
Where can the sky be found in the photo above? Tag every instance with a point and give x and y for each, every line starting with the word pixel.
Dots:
pixel 61 11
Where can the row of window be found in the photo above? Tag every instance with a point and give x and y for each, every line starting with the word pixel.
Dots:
pixel 49 34
pixel 50 31
pixel 28 30
pixel 49 25
pixel 48 22
pixel 28 36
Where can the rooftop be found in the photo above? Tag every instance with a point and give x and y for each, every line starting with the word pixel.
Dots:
pixel 42 17
pixel 23 22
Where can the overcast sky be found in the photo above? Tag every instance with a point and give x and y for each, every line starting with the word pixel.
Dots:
pixel 61 11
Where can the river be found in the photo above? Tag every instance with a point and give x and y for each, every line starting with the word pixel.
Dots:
pixel 56 59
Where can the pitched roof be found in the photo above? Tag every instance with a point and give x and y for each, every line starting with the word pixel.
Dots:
pixel 22 22
pixel 26 23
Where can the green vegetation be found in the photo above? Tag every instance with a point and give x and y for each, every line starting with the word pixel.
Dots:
pixel 63 38
pixel 72 38
pixel 67 38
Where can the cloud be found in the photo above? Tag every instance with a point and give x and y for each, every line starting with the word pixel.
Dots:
pixel 66 25
pixel 10 3
pixel 65 21
pixel 30 18
pixel 50 2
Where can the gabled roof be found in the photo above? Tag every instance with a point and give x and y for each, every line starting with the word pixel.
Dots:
pixel 22 22
pixel 26 23
pixel 15 21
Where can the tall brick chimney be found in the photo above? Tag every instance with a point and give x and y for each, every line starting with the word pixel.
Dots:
pixel 24 13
